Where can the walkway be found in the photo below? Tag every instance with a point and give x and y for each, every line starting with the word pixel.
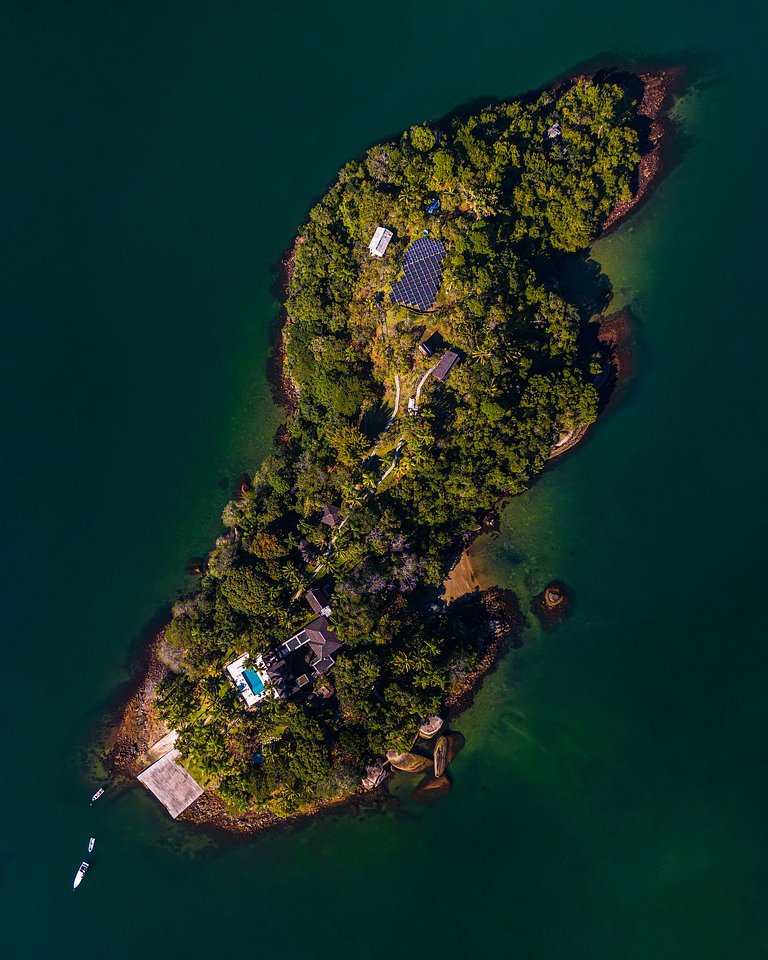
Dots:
pixel 421 384
pixel 392 465
pixel 319 565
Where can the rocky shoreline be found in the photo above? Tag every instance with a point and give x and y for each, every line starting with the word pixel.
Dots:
pixel 658 87
pixel 139 725
pixel 285 392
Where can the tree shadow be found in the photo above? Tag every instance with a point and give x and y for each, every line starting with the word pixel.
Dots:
pixel 375 420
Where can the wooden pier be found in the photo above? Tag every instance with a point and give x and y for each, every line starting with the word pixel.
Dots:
pixel 170 783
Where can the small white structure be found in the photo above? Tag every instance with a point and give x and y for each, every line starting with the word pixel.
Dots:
pixel 412 408
pixel 250 677
pixel 554 131
pixel 380 242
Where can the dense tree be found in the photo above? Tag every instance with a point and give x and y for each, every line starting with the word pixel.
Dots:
pixel 519 183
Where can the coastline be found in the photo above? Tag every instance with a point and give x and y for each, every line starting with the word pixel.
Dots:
pixel 658 87
pixel 285 391
pixel 139 726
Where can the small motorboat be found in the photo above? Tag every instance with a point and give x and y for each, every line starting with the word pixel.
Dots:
pixel 80 874
pixel 91 844
pixel 99 793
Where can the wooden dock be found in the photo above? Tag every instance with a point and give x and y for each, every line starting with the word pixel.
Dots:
pixel 170 783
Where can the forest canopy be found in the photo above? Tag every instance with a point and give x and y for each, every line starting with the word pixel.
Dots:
pixel 521 184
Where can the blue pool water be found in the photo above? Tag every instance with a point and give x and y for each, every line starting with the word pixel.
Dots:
pixel 254 681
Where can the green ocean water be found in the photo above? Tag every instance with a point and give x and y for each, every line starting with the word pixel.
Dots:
pixel 610 803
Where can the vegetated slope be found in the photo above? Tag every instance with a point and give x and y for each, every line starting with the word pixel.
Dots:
pixel 519 182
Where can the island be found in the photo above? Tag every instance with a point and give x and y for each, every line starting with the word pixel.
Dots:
pixel 432 364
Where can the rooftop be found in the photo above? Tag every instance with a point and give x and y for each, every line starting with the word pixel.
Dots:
pixel 330 515
pixel 321 640
pixel 317 598
pixel 170 783
pixel 380 241
pixel 444 366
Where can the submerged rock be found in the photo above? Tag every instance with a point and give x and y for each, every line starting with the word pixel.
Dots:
pixel 432 788
pixel 455 743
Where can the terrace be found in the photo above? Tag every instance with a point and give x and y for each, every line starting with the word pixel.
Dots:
pixel 251 679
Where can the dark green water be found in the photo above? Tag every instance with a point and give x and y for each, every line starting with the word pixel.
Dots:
pixel 611 800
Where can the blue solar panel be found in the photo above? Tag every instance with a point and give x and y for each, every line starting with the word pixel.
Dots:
pixel 423 248
pixel 422 274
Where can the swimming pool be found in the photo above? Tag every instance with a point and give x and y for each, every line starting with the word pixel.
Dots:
pixel 254 681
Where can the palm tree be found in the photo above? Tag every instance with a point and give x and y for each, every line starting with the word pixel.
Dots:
pixel 403 661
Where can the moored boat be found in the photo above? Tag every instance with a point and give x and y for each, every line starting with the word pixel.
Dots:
pixel 99 793
pixel 80 874
pixel 91 844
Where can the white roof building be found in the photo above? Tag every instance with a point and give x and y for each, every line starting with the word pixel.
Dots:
pixel 380 242
pixel 251 678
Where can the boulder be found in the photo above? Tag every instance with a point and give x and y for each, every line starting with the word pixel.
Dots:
pixel 430 727
pixel 554 595
pixel 552 605
pixel 408 762
pixel 374 776
pixel 440 758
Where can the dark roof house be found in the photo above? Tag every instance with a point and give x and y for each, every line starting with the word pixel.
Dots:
pixel 318 599
pixel 324 643
pixel 444 366
pixel 320 639
pixel 330 515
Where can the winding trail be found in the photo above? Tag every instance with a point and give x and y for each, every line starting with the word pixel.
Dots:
pixel 421 384
pixel 416 397
pixel 392 465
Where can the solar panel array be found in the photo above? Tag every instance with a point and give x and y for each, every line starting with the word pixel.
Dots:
pixel 422 274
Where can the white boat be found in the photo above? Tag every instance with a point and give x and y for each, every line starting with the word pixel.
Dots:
pixel 99 793
pixel 80 874
pixel 91 844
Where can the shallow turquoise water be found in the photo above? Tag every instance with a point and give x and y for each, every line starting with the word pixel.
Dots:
pixel 610 800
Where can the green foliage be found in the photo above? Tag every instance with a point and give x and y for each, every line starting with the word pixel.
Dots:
pixel 512 200
pixel 423 138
